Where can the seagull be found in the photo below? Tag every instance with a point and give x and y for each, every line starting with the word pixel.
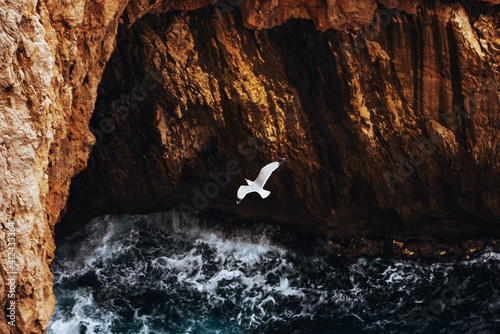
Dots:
pixel 260 181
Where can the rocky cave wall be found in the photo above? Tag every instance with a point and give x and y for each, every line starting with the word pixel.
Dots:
pixel 390 131
pixel 342 99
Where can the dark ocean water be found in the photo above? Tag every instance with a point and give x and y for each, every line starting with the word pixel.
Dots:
pixel 165 273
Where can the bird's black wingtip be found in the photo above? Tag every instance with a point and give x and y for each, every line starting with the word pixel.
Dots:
pixel 281 160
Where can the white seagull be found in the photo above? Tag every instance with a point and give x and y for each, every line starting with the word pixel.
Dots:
pixel 260 181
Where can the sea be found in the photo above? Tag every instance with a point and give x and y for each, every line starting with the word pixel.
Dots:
pixel 170 272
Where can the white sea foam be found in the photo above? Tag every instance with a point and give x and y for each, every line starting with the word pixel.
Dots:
pixel 165 273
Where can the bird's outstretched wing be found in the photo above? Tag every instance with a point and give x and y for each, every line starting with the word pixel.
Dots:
pixel 260 181
pixel 265 172
pixel 244 190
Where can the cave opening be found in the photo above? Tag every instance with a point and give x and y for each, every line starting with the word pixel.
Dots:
pixel 188 96
pixel 184 94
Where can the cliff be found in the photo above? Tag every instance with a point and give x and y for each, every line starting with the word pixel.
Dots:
pixel 387 113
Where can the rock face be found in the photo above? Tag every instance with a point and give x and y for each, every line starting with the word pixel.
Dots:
pixel 389 120
pixel 390 131
pixel 52 56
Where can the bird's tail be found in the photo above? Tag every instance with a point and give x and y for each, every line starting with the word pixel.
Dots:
pixel 264 193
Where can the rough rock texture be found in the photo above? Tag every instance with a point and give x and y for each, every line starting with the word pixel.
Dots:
pixel 390 131
pixel 325 14
pixel 52 57
pixel 349 109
